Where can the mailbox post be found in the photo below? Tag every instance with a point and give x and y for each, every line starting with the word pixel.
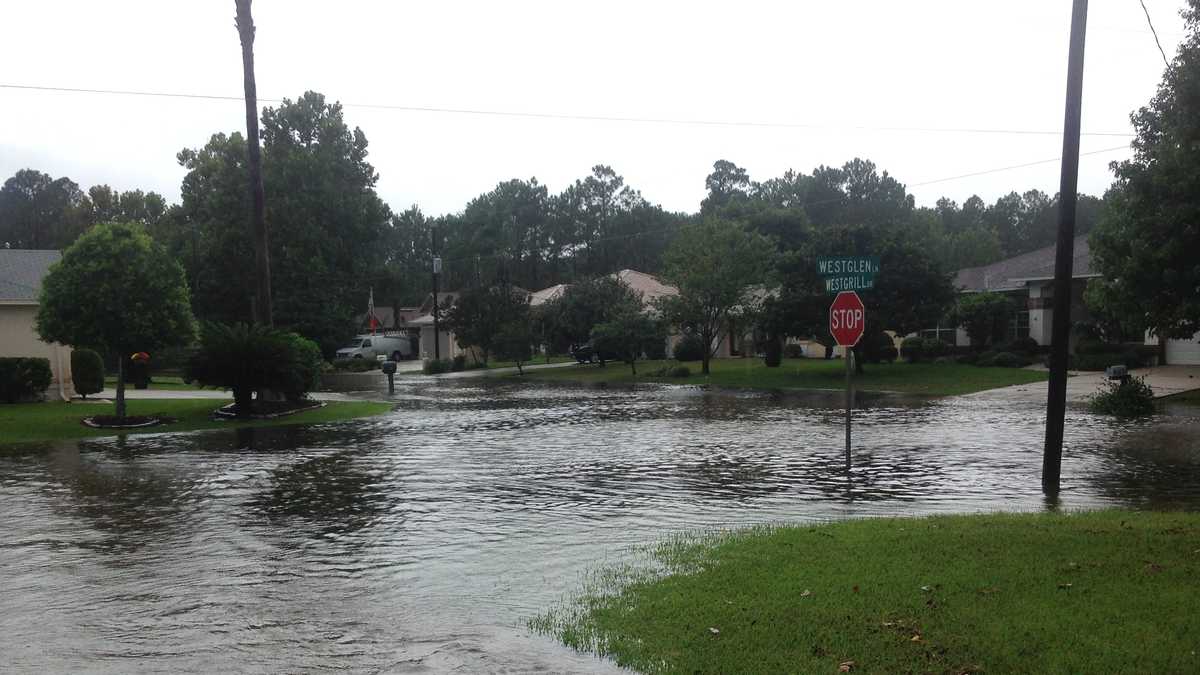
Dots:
pixel 389 369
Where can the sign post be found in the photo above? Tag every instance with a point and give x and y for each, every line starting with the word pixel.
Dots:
pixel 847 321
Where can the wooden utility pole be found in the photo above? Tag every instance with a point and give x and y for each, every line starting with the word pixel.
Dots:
pixel 262 296
pixel 1056 402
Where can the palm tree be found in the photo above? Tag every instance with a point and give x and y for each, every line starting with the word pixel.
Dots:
pixel 262 303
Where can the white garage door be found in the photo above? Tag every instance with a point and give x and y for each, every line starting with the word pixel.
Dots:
pixel 1183 352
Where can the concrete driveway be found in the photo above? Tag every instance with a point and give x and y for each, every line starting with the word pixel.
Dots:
pixel 1164 380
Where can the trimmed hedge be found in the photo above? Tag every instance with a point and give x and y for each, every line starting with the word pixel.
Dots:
pixel 23 378
pixel 87 371
pixel 437 366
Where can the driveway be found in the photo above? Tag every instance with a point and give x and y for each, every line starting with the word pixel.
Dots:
pixel 1164 380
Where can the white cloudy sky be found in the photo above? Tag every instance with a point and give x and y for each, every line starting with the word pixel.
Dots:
pixel 957 64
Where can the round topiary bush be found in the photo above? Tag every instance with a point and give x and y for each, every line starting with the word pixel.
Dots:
pixel 87 371
pixel 793 351
pixel 913 349
pixel 1130 397
pixel 680 371
pixel 1009 360
pixel 986 359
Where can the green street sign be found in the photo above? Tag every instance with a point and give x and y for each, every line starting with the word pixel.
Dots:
pixel 848 273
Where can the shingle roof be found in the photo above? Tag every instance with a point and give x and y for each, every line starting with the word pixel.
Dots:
pixel 547 294
pixel 21 273
pixel 1011 274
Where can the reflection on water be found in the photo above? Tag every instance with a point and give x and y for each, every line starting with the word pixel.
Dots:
pixel 421 540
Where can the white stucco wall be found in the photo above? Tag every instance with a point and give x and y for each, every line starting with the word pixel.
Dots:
pixel 18 337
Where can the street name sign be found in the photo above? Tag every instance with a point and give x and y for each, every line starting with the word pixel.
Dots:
pixel 847 318
pixel 853 273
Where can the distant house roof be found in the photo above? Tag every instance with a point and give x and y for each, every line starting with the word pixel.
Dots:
pixel 547 294
pixel 390 317
pixel 21 273
pixel 1015 273
pixel 650 286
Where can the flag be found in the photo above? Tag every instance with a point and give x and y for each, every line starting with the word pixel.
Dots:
pixel 371 320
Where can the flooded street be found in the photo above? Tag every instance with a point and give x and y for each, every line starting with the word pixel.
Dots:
pixel 422 540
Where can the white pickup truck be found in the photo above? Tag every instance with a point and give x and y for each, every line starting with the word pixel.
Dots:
pixel 391 347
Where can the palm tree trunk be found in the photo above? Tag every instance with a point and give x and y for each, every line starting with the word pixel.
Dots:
pixel 262 305
pixel 121 386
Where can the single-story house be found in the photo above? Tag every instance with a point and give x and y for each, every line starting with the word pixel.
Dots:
pixel 1029 279
pixel 21 274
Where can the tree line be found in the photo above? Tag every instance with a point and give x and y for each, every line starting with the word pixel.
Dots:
pixel 332 237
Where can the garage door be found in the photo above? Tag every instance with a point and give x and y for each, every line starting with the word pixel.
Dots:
pixel 1183 352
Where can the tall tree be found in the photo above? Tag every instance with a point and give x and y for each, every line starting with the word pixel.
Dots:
pixel 717 266
pixel 117 291
pixel 1145 247
pixel 262 257
pixel 38 211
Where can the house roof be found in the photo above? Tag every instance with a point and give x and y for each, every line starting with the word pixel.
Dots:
pixel 389 317
pixel 21 273
pixel 1016 272
pixel 650 286
pixel 547 294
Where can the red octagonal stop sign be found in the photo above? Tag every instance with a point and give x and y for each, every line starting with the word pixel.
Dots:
pixel 847 318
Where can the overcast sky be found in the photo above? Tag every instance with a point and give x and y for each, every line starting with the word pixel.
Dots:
pixel 848 69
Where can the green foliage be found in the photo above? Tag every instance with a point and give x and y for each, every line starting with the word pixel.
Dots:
pixel 913 349
pixel 87 371
pixel 1022 345
pixel 514 342
pixel 38 211
pixel 984 316
pixel 248 357
pixel 438 366
pixel 680 371
pixel 792 350
pixel 773 352
pixel 628 336
pixel 1145 247
pixel 1010 360
pixel 479 314
pixel 23 378
pixel 328 228
pixel 716 266
pixel 117 291
pixel 571 317
pixel 1130 397
pixel 689 348
pixel 356 365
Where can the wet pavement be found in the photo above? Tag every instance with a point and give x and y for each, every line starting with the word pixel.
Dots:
pixel 422 540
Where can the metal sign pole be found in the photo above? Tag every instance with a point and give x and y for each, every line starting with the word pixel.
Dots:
pixel 849 399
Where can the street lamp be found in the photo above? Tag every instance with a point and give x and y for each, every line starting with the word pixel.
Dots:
pixel 437 346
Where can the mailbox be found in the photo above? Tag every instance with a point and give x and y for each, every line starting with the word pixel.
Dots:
pixel 389 367
pixel 1116 372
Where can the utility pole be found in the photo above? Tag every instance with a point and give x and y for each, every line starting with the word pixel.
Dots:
pixel 1056 402
pixel 437 269
pixel 261 304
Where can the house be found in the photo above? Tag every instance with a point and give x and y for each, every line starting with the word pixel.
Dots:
pixel 21 274
pixel 1029 279
pixel 447 346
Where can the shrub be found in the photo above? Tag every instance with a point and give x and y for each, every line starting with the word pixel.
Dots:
pixel 1009 360
pixel 436 366
pixel 1023 345
pixel 356 365
pixel 969 358
pixel 245 357
pixel 1147 354
pixel 913 349
pixel 793 351
pixel 680 371
pixel 458 363
pixel 87 370
pixel 23 378
pixel 773 352
pixel 1095 347
pixel 1130 397
pixel 935 348
pixel 656 350
pixel 689 348
pixel 888 354
pixel 986 359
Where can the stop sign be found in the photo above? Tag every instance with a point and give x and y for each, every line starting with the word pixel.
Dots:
pixel 847 318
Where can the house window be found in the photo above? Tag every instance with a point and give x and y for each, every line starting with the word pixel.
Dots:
pixel 1019 325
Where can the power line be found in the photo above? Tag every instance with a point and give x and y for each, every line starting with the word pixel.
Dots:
pixel 580 117
pixel 1014 166
pixel 1154 33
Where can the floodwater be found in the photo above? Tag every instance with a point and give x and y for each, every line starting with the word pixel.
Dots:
pixel 421 541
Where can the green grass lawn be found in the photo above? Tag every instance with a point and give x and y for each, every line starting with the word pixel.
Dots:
pixel 537 361
pixel 23 422
pixel 1100 592
pixel 940 379
pixel 163 382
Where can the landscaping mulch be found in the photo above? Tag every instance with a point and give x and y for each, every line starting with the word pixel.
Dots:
pixel 265 410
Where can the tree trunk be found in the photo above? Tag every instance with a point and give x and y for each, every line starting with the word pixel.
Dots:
pixel 633 367
pixel 120 387
pixel 243 401
pixel 858 360
pixel 245 26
